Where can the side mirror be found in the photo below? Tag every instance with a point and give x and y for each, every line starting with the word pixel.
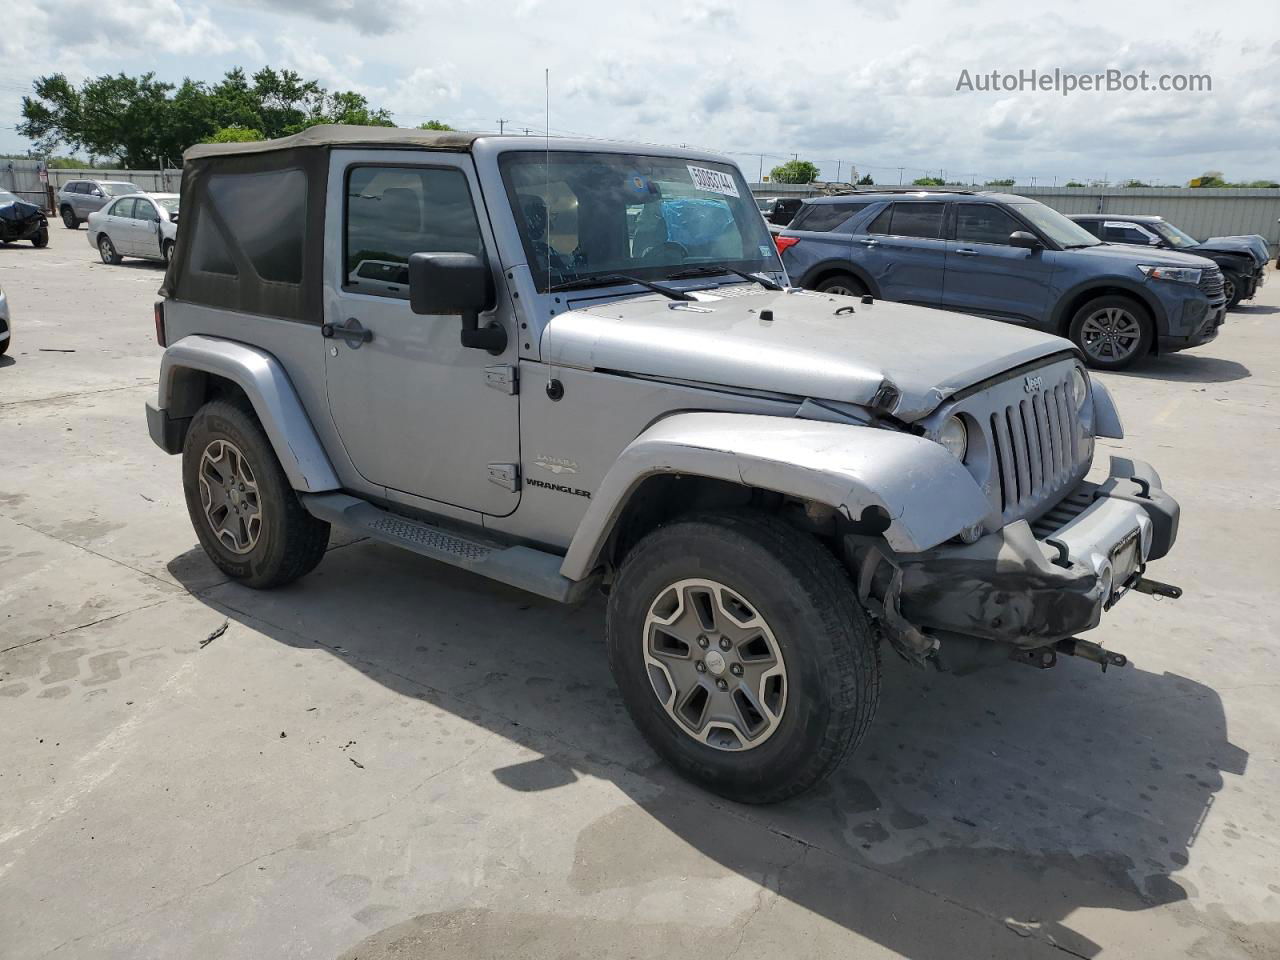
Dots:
pixel 456 284
pixel 95 192
pixel 1028 241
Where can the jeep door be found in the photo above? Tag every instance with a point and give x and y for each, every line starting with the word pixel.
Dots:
pixel 986 274
pixel 904 252
pixel 416 411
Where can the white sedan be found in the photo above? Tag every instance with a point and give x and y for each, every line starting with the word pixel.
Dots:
pixel 143 225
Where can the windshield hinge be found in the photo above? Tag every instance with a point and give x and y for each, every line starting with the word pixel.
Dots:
pixel 505 475
pixel 502 377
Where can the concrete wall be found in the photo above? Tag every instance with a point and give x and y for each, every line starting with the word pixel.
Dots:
pixel 1202 213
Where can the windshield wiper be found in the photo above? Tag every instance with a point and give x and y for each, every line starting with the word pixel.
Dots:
pixel 582 283
pixel 711 269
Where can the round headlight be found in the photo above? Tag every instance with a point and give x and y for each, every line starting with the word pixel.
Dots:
pixel 954 437
pixel 1079 386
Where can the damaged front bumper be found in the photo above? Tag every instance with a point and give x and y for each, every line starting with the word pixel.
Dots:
pixel 1027 585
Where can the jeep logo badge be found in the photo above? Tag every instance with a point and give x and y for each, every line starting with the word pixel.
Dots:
pixel 1032 384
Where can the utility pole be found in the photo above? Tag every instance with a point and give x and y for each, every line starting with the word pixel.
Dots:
pixel 1033 181
pixel 837 171
pixel 501 125
pixel 900 169
pixel 760 175
pixel 526 131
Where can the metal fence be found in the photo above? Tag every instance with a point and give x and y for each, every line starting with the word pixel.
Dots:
pixel 23 178
pixel 1203 213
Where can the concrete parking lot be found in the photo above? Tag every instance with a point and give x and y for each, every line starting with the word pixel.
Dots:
pixel 394 759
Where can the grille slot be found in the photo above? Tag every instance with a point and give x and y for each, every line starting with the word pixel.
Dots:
pixel 1035 446
pixel 1211 283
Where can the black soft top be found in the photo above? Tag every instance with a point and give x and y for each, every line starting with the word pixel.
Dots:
pixel 329 135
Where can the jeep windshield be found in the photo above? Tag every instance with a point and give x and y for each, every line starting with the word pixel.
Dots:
pixel 1065 233
pixel 585 216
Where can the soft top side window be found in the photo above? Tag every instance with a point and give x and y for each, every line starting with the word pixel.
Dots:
pixel 394 212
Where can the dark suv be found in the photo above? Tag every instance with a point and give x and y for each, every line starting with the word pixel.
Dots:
pixel 1007 258
pixel 1244 268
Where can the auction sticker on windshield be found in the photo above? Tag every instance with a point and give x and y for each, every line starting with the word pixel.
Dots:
pixel 713 181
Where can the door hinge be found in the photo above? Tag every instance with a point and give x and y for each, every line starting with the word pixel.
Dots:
pixel 503 377
pixel 505 475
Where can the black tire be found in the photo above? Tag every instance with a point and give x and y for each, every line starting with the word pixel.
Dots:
pixel 1134 352
pixel 1235 286
pixel 4 344
pixel 69 219
pixel 827 644
pixel 166 251
pixel 842 284
pixel 291 541
pixel 41 239
pixel 107 251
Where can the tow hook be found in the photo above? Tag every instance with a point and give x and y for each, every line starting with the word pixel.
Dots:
pixel 1045 657
pixel 1157 589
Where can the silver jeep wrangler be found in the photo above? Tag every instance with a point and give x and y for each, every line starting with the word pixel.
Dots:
pixel 571 366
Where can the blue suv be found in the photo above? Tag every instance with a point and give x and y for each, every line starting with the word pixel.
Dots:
pixel 1007 258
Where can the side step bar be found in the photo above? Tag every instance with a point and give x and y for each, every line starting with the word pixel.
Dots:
pixel 522 567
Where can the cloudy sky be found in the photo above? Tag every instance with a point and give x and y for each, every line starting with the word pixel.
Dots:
pixel 848 81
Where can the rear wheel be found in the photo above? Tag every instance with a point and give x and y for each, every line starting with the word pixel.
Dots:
pixel 166 251
pixel 742 654
pixel 69 219
pixel 249 520
pixel 843 284
pixel 1113 332
pixel 107 251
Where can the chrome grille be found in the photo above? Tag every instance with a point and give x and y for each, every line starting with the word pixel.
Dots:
pixel 1035 443
pixel 1211 282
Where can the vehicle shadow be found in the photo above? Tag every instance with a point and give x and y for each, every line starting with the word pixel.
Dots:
pixel 1186 368
pixel 1256 309
pixel 6 361
pixel 1016 794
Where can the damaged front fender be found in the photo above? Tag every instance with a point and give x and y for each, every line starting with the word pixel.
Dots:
pixel 920 493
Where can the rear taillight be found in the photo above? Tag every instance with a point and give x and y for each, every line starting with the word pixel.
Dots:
pixel 785 243
pixel 160 334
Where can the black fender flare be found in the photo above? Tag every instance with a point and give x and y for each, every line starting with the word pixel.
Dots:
pixel 1106 286
pixel 834 265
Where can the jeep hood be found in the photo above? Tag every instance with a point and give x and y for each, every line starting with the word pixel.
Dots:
pixel 817 346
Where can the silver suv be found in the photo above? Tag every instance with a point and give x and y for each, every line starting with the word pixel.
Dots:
pixel 79 198
pixel 580 367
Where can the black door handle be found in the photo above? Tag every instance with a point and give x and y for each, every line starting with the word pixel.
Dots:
pixel 352 332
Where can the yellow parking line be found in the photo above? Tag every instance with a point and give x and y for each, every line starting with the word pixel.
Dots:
pixel 1164 414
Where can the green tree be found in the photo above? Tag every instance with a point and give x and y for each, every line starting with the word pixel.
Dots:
pixel 434 125
pixel 866 181
pixel 1006 182
pixel 795 171
pixel 1074 183
pixel 234 135
pixel 1210 178
pixel 1135 183
pixel 143 122
pixel 928 182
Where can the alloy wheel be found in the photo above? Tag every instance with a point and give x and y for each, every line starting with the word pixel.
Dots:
pixel 714 665
pixel 1229 290
pixel 229 495
pixel 1111 334
pixel 105 250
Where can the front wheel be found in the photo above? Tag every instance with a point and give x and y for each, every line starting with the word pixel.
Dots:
pixel 1232 288
pixel 1112 332
pixel 41 239
pixel 742 654
pixel 166 251
pixel 249 520
pixel 69 219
